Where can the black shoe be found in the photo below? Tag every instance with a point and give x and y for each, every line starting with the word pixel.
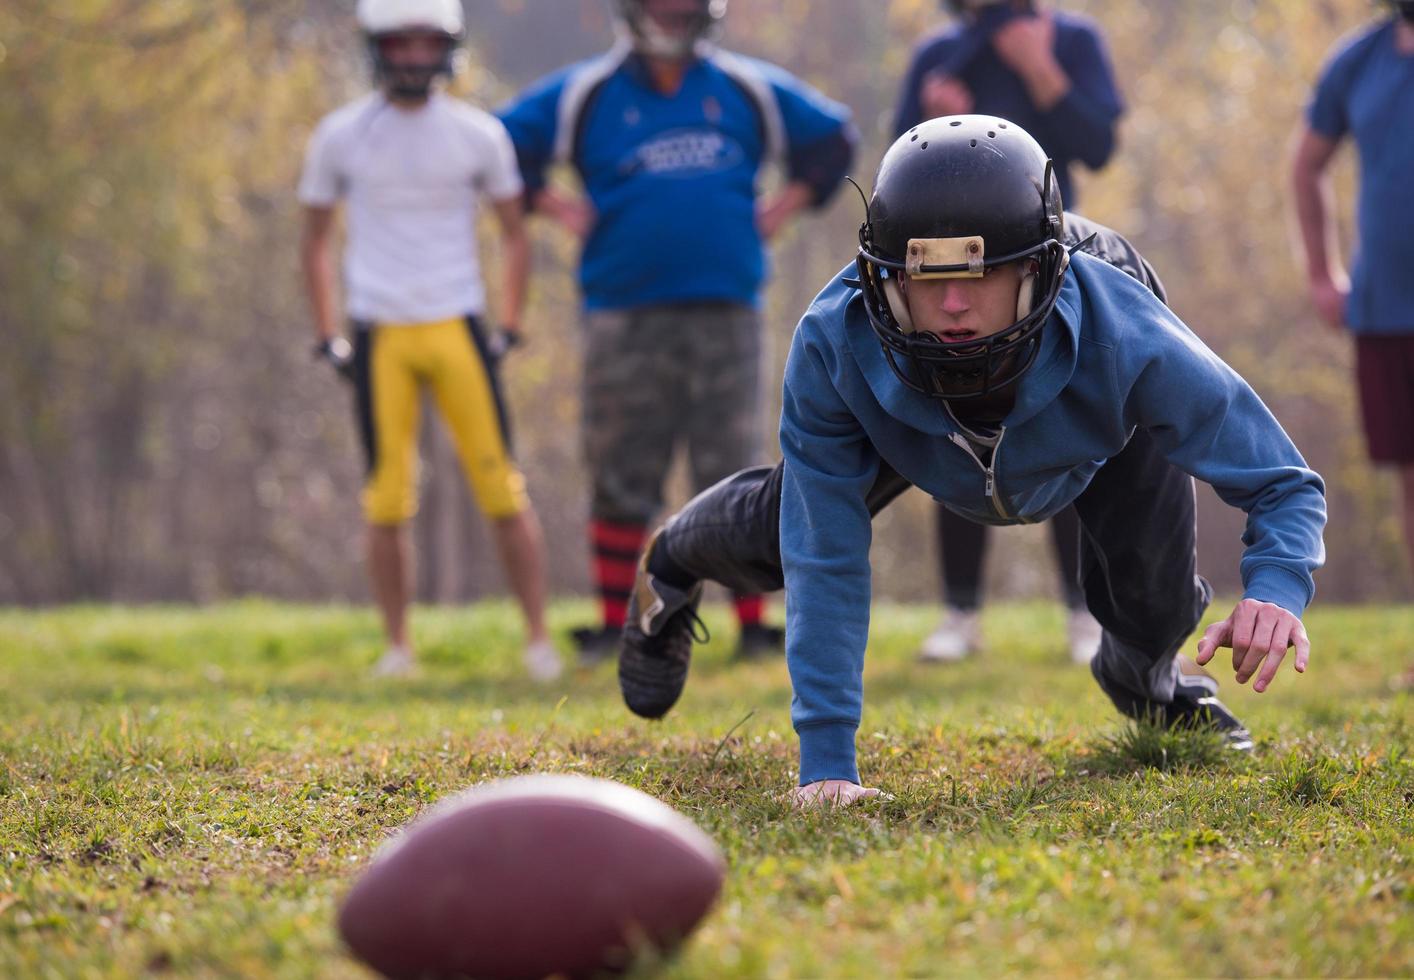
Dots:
pixel 758 639
pixel 656 645
pixel 1195 704
pixel 594 643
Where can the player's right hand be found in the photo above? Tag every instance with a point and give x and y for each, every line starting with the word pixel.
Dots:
pixel 338 352
pixel 829 792
pixel 575 214
pixel 578 217
pixel 1329 297
pixel 502 341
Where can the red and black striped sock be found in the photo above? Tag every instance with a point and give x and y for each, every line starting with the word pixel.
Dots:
pixel 749 609
pixel 615 547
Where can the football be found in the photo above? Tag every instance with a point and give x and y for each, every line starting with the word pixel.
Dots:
pixel 533 877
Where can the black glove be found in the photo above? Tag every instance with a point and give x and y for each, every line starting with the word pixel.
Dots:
pixel 339 353
pixel 501 342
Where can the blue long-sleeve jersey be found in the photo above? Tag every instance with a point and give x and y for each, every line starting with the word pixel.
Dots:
pixel 1080 127
pixel 673 177
pixel 1113 359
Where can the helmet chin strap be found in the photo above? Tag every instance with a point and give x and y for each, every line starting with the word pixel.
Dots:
pixel 410 90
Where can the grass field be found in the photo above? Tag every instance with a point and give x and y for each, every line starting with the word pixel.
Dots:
pixel 191 791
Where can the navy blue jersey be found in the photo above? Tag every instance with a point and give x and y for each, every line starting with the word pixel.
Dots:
pixel 1081 127
pixel 1367 91
pixel 673 177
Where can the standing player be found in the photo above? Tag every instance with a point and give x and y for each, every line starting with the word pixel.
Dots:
pixel 970 353
pixel 668 135
pixel 1367 92
pixel 412 162
pixel 1048 72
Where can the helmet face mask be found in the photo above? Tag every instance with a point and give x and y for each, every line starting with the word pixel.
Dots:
pixel 955 197
pixel 700 24
pixel 385 23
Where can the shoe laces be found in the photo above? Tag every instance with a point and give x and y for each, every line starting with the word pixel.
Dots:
pixel 696 628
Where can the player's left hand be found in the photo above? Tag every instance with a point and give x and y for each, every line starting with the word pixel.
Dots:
pixel 830 793
pixel 1259 634
pixel 1024 43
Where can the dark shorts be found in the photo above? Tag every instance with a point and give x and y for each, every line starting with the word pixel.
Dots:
pixel 1384 372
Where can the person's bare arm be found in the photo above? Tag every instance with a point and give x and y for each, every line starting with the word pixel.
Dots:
pixel 515 243
pixel 1315 210
pixel 317 259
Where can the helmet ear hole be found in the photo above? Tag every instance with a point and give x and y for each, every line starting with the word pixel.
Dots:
pixel 898 304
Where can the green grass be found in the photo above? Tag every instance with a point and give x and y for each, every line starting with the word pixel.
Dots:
pixel 191 791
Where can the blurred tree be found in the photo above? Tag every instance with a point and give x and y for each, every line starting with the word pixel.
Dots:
pixel 144 144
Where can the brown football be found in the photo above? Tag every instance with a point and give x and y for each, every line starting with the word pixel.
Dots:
pixel 533 877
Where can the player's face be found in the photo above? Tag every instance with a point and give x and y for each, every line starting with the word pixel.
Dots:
pixel 416 50
pixel 958 310
pixel 675 18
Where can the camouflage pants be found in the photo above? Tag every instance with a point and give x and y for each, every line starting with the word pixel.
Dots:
pixel 659 376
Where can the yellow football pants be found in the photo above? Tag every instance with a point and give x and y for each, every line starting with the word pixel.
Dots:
pixel 395 363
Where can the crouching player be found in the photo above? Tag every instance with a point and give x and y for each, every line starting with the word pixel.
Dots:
pixel 976 351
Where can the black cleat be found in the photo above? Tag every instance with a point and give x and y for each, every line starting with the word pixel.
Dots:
pixel 1195 705
pixel 656 646
pixel 758 639
pixel 594 643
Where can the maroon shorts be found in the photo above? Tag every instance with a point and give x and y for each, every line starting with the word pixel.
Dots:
pixel 1384 372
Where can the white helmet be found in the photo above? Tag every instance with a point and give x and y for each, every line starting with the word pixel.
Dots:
pixel 377 17
pixel 634 24
pixel 380 19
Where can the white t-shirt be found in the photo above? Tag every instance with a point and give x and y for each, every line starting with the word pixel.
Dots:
pixel 412 179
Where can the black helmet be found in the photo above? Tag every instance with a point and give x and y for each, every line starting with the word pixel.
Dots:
pixel 647 38
pixel 965 8
pixel 955 196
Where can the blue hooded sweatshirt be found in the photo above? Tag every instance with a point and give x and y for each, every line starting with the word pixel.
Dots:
pixel 1113 359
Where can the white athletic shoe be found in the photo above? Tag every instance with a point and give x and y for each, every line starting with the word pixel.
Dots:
pixel 958 636
pixel 542 661
pixel 1084 635
pixel 397 662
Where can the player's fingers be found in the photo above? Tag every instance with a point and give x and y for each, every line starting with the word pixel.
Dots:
pixel 1215 636
pixel 804 797
pixel 1303 648
pixel 1244 620
pixel 1276 653
pixel 1263 630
